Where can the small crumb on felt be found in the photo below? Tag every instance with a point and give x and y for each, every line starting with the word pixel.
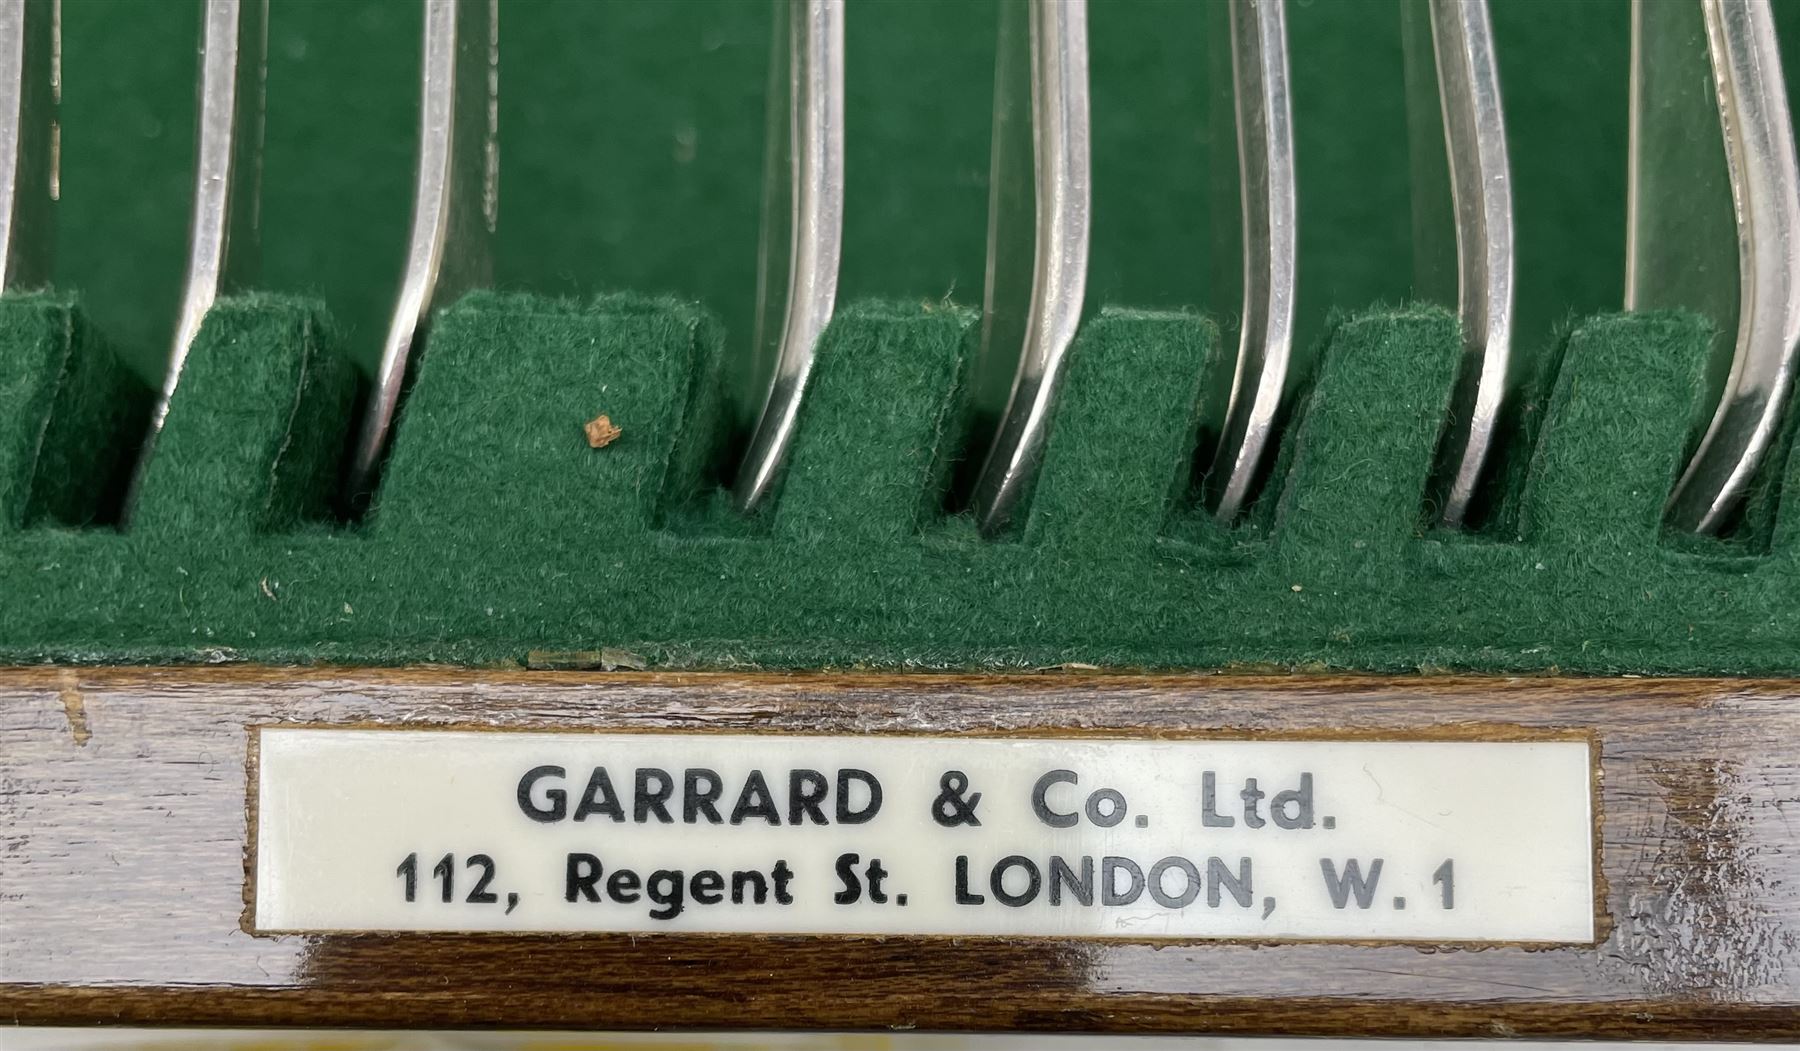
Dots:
pixel 601 432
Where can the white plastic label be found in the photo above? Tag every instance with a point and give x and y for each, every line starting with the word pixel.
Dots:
pixel 436 830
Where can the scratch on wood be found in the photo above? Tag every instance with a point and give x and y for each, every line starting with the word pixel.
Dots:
pixel 68 688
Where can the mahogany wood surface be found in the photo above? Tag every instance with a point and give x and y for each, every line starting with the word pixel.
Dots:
pixel 123 846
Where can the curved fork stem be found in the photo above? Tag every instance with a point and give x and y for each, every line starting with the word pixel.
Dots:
pixel 1765 190
pixel 1259 67
pixel 30 90
pixel 816 131
pixel 1481 192
pixel 1061 179
pixel 455 199
pixel 223 235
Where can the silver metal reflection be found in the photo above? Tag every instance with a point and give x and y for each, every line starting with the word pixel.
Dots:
pixel 1679 251
pixel 1481 196
pixel 455 202
pixel 30 91
pixel 223 235
pixel 1056 126
pixel 814 154
pixel 1259 68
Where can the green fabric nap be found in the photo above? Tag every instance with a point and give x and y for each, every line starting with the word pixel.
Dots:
pixel 870 453
pixel 1127 415
pixel 499 531
pixel 491 448
pixel 71 416
pixel 255 427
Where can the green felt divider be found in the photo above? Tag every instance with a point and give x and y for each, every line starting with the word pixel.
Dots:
pixel 70 416
pixel 870 454
pixel 1777 496
pixel 1355 487
pixel 1622 416
pixel 490 441
pixel 1120 450
pixel 255 428
pixel 500 532
pixel 38 333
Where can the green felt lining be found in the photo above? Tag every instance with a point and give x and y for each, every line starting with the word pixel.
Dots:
pixel 1120 453
pixel 505 460
pixel 871 452
pixel 254 432
pixel 498 530
pixel 74 417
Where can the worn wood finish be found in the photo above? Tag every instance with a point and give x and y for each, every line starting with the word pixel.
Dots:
pixel 122 848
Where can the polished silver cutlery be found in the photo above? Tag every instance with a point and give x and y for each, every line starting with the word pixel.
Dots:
pixel 1038 233
pixel 1713 224
pixel 30 86
pixel 455 205
pixel 803 223
pixel 1268 199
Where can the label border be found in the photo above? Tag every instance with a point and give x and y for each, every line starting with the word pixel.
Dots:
pixel 1487 733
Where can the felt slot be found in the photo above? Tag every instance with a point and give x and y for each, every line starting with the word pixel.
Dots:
pixel 500 530
pixel 256 427
pixel 492 442
pixel 875 432
pixel 70 417
pixel 1364 447
pixel 1119 454
pixel 1622 415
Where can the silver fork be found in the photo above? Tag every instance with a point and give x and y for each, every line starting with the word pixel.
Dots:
pixel 222 234
pixel 1713 223
pixel 30 91
pixel 803 221
pixel 1037 233
pixel 1474 166
pixel 1267 197
pixel 455 204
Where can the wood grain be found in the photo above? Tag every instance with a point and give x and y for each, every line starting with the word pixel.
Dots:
pixel 122 845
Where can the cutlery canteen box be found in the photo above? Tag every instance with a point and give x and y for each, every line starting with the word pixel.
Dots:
pixel 549 734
